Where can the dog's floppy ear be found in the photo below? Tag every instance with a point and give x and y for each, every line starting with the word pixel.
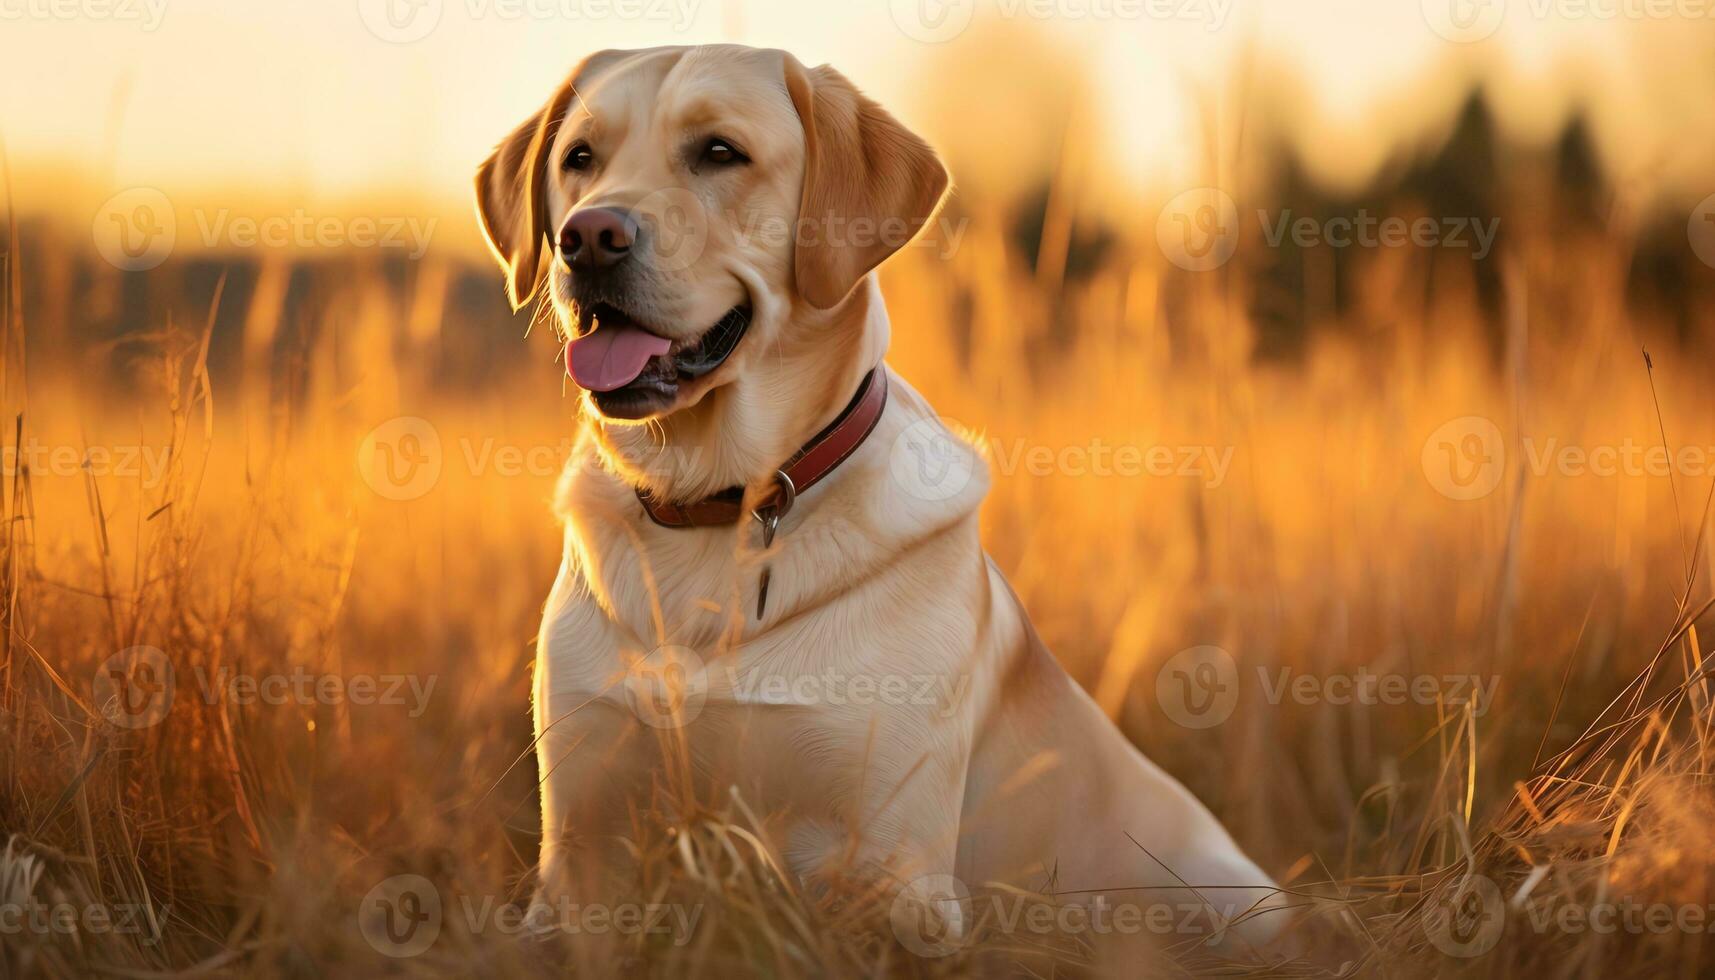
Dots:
pixel 511 200
pixel 870 184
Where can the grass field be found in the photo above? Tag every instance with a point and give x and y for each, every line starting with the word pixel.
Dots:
pixel 210 494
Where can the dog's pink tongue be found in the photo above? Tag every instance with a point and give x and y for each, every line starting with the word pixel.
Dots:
pixel 612 357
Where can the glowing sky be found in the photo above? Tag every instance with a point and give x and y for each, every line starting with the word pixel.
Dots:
pixel 330 99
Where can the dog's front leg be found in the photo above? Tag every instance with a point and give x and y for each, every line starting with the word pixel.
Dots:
pixel 584 754
pixel 920 830
pixel 901 833
pixel 590 751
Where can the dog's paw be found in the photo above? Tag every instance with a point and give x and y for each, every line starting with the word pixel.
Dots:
pixel 929 914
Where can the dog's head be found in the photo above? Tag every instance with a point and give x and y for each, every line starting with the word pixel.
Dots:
pixel 707 216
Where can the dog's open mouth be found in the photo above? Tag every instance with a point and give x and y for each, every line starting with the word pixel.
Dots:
pixel 632 372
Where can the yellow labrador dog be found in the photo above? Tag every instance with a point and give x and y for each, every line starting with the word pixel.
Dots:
pixel 757 514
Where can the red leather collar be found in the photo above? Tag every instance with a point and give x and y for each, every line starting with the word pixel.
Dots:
pixel 807 467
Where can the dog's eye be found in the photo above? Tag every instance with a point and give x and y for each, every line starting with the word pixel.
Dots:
pixel 722 153
pixel 578 157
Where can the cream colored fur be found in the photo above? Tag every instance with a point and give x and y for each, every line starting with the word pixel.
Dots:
pixel 1008 772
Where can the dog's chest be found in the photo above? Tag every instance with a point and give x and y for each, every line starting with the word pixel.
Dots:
pixel 857 680
pixel 799 720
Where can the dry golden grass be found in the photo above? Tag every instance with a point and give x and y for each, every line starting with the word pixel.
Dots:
pixel 251 833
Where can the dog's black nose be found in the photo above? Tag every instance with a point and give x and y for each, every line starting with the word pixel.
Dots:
pixel 597 237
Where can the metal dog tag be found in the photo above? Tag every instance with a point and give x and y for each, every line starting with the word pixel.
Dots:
pixel 770 524
pixel 769 515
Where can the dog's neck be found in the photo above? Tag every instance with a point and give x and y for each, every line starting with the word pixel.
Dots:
pixel 740 433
